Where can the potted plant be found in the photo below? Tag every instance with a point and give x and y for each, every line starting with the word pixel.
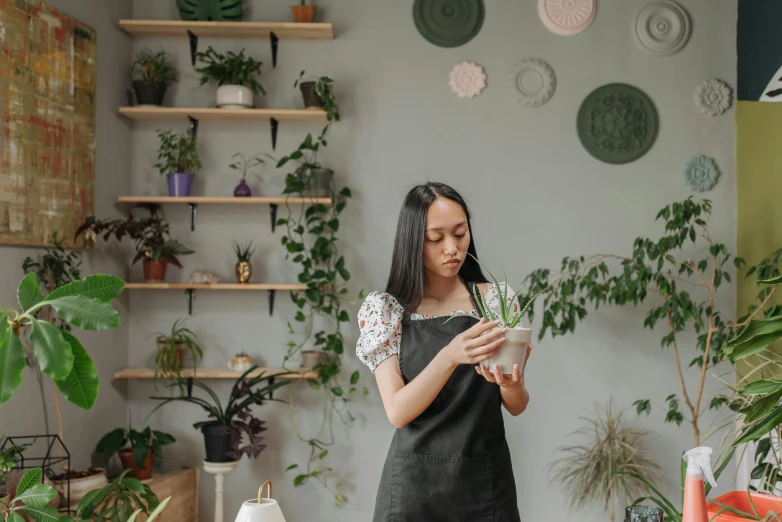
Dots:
pixel 517 338
pixel 231 431
pixel 235 75
pixel 240 362
pixel 151 236
pixel 318 93
pixel 8 458
pixel 139 458
pixel 244 269
pixel 243 164
pixel 173 348
pixel 31 500
pixel 178 160
pixel 122 500
pixel 152 72
pixel 303 13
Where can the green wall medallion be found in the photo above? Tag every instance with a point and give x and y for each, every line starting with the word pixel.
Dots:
pixel 448 23
pixel 617 123
pixel 211 10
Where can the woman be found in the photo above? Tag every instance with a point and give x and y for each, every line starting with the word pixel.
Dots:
pixel 449 460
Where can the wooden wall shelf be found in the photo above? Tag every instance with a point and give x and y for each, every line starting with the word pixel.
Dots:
pixel 215 373
pixel 215 114
pixel 190 289
pixel 283 30
pixel 194 201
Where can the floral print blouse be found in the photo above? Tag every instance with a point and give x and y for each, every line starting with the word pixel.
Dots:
pixel 380 324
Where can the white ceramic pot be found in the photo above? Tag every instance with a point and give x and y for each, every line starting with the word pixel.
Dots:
pixel 267 511
pixel 513 351
pixel 234 97
pixel 80 487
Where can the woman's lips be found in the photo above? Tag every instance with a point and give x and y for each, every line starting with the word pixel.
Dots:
pixel 452 263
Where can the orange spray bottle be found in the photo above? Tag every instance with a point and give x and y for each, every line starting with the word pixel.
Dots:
pixel 698 469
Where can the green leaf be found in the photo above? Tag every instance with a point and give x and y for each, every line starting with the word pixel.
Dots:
pixel 32 477
pixel 134 485
pixel 354 378
pixel 111 443
pixel 299 480
pixel 753 346
pixel 45 513
pixel 292 466
pixel 86 313
pixel 762 407
pixel 102 287
pixel 343 317
pixel 16 517
pixel 771 281
pixel 762 387
pixel 155 513
pixel 756 431
pixel 37 496
pixel 81 386
pixel 29 292
pixel 51 350
pixel 12 360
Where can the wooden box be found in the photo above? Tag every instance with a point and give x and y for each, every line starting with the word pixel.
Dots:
pixel 182 487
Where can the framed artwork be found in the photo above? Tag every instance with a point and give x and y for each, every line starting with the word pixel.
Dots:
pixel 47 123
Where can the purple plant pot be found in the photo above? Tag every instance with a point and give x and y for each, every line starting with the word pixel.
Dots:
pixel 179 184
pixel 242 190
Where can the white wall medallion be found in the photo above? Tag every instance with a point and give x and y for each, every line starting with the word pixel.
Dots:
pixel 713 97
pixel 663 28
pixel 532 82
pixel 566 17
pixel 468 80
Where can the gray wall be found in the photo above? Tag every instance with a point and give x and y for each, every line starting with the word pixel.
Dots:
pixel 402 125
pixel 22 415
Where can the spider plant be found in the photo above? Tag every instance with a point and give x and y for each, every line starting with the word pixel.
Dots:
pixel 173 347
pixel 243 251
pixel 509 318
pixel 588 471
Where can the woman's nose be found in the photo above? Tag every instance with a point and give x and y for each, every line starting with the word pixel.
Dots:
pixel 450 246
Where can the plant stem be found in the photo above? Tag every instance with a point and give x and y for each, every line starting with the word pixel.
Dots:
pixel 693 411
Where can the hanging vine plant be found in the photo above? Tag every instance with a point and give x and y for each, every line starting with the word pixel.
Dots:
pixel 311 242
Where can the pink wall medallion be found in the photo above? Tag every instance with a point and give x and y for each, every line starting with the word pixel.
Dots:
pixel 468 80
pixel 567 17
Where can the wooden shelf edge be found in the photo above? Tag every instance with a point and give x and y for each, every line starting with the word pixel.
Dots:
pixel 218 286
pixel 212 200
pixel 244 29
pixel 215 114
pixel 216 373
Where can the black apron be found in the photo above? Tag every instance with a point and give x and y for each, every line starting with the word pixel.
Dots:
pixel 452 463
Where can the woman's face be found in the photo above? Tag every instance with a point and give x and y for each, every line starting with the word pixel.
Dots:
pixel 446 238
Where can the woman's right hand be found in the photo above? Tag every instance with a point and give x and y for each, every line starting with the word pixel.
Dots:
pixel 472 346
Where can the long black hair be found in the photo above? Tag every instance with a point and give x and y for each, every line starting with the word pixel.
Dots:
pixel 407 278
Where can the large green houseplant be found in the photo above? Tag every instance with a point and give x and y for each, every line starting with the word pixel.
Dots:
pixel 85 304
pixel 685 287
pixel 235 74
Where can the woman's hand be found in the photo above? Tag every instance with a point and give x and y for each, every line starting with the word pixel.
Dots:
pixel 504 380
pixel 472 346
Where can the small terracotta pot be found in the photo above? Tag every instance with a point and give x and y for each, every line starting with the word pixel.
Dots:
pixel 155 271
pixel 126 456
pixel 303 14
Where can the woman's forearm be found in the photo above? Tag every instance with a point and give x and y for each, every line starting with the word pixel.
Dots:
pixel 515 398
pixel 408 402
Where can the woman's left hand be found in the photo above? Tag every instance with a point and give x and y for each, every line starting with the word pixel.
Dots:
pixel 504 380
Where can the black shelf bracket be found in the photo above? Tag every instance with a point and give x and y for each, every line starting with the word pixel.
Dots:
pixel 273 211
pixel 193 126
pixel 190 297
pixel 193 211
pixel 271 301
pixel 275 41
pixel 193 46
pixel 275 126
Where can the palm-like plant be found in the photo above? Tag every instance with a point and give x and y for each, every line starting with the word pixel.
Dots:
pixel 243 251
pixel 590 472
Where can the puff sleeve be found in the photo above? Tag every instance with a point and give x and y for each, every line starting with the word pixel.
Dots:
pixel 380 326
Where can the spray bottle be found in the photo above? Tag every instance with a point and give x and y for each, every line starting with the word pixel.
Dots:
pixel 698 468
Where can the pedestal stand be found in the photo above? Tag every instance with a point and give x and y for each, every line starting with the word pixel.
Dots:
pixel 219 470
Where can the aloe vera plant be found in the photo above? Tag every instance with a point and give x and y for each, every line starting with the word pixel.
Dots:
pixel 507 316
pixel 84 303
pixel 212 10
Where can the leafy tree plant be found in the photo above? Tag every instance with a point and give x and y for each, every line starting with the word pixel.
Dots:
pixel 84 303
pixel 177 152
pixel 666 269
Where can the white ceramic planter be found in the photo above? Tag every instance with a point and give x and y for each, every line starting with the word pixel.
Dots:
pixel 513 351
pixel 234 97
pixel 267 511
